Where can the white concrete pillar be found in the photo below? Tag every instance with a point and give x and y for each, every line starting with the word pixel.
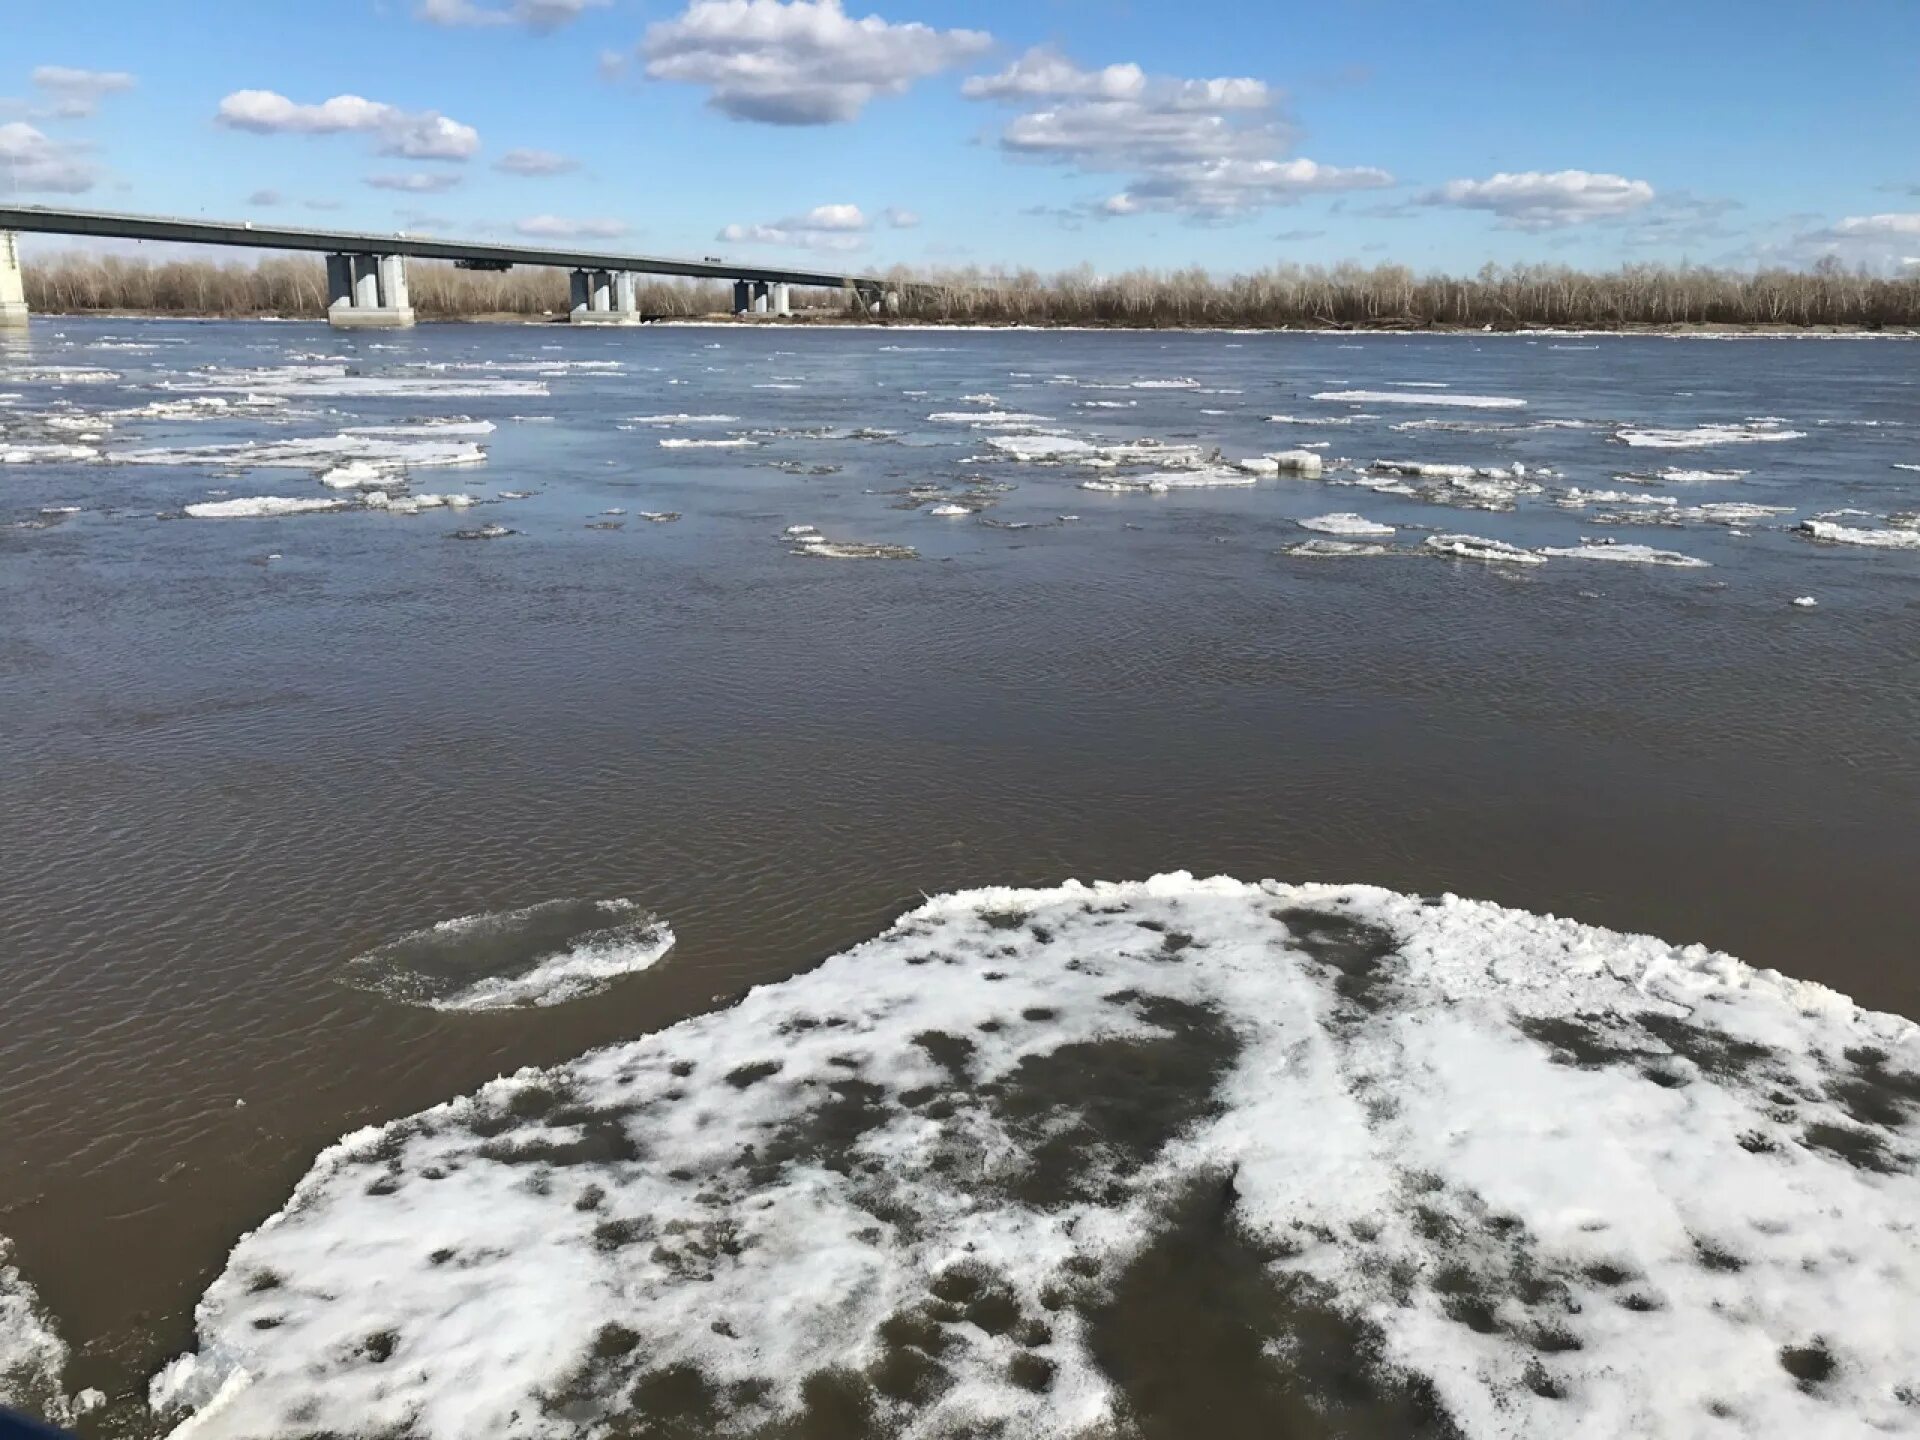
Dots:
pixel 366 282
pixel 393 283
pixel 623 294
pixel 579 295
pixel 602 291
pixel 13 284
pixel 782 298
pixel 742 297
pixel 760 297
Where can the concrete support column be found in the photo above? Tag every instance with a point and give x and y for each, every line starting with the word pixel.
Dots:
pixel 393 283
pixel 623 295
pixel 760 298
pixel 781 299
pixel 339 281
pixel 604 297
pixel 368 291
pixel 13 287
pixel 602 291
pixel 742 297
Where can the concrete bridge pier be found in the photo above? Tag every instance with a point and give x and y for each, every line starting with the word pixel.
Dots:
pixel 368 291
pixel 13 289
pixel 603 297
pixel 762 298
pixel 780 298
pixel 742 297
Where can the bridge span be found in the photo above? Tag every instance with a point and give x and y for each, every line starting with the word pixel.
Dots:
pixel 367 272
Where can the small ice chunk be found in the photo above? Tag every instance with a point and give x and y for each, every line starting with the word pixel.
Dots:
pixel 1805 602
pixel 1345 522
pixel 1402 397
pixel 1627 555
pixel 1475 547
pixel 1833 534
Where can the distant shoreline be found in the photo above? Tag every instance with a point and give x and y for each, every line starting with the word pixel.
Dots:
pixel 1698 330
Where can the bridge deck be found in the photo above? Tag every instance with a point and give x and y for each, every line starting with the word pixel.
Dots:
pixel 46 220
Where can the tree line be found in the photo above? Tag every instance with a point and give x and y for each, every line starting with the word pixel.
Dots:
pixel 1295 296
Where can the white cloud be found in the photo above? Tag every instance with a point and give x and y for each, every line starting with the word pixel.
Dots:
pixel 266 198
pixel 413 135
pixel 415 182
pixel 798 62
pixel 1536 200
pixel 825 227
pixel 1206 148
pixel 77 93
pixel 30 161
pixel 555 227
pixel 1879 227
pixel 901 219
pixel 525 161
pixel 1044 73
pixel 536 14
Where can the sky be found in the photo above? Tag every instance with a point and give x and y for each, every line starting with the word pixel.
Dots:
pixel 1045 134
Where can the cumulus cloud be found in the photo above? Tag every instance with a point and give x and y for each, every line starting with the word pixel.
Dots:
pixel 798 62
pixel 1879 227
pixel 1210 149
pixel 555 227
pixel 524 161
pixel 412 135
pixel 1537 200
pixel 75 94
pixel 536 14
pixel 31 161
pixel 825 227
pixel 900 219
pixel 415 182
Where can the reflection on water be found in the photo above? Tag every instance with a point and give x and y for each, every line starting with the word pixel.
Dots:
pixel 239 753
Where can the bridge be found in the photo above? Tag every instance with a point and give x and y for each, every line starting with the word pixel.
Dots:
pixel 367 273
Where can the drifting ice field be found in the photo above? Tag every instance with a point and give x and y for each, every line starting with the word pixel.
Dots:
pixel 1181 1157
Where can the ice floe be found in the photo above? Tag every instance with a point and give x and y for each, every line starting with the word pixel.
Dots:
pixel 337 381
pixel 1163 481
pixel 1037 1162
pixel 45 454
pixel 258 507
pixel 1345 522
pixel 542 954
pixel 1475 547
pixel 1042 447
pixel 32 1354
pixel 736 443
pixel 1339 549
pixel 1700 436
pixel 1407 397
pixel 326 453
pixel 684 419
pixel 1891 538
pixel 1626 555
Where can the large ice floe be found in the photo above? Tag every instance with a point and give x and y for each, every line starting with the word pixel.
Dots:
pixel 1422 397
pixel 1181 1157
pixel 375 449
pixel 1478 547
pixel 32 1355
pixel 541 955
pixel 338 382
pixel 1699 436
pixel 262 507
pixel 1890 538
pixel 1626 555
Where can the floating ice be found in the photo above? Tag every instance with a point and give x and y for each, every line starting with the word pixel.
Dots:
pixel 414 504
pixel 32 1355
pixel 1339 549
pixel 58 375
pixel 336 381
pixel 1627 555
pixel 1304 463
pixel 261 506
pixel 1889 539
pixel 1675 476
pixel 48 454
pixel 1474 547
pixel 814 543
pixel 733 444
pixel 1055 1162
pixel 1700 436
pixel 1167 480
pixel 1345 522
pixel 684 419
pixel 1402 397
pixel 1041 447
pixel 489 531
pixel 1575 498
pixel 950 510
pixel 1805 602
pixel 321 453
pixel 544 954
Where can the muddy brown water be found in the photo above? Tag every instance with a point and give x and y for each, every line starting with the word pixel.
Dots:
pixel 223 776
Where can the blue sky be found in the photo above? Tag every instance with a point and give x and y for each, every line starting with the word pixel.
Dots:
pixel 1047 134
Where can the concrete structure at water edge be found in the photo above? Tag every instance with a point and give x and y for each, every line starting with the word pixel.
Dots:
pixel 367 274
pixel 13 290
pixel 367 290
